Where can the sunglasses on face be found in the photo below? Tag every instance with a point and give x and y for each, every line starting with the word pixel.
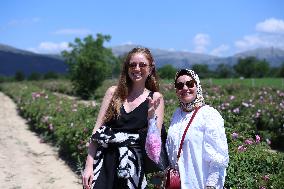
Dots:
pixel 133 65
pixel 189 84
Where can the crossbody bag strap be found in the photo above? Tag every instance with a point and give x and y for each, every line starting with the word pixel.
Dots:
pixel 183 136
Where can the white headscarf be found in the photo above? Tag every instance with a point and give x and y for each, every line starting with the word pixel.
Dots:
pixel 199 100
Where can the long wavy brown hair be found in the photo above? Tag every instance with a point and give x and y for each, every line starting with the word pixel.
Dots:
pixel 125 84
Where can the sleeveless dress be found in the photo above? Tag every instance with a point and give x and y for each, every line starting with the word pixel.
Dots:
pixel 118 162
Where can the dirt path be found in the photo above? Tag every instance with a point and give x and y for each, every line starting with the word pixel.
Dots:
pixel 25 163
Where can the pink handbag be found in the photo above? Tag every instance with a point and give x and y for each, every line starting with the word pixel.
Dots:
pixel 172 177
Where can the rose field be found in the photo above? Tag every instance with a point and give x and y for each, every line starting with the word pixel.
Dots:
pixel 253 114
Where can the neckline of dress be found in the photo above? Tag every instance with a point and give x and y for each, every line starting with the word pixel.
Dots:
pixel 185 115
pixel 135 107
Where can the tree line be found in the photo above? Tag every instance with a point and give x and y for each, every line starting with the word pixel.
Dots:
pixel 249 67
pixel 90 63
pixel 34 76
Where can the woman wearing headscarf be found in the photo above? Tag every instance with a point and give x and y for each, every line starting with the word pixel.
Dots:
pixel 204 152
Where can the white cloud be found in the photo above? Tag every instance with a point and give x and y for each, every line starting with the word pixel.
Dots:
pixel 271 25
pixel 201 41
pixel 260 41
pixel 171 49
pixel 220 50
pixel 50 47
pixel 128 43
pixel 69 31
pixel 249 41
pixel 269 33
pixel 21 22
pixel 185 50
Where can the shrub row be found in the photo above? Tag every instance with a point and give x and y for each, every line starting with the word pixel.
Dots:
pixel 252 119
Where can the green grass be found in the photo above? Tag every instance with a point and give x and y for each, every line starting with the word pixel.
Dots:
pixel 251 82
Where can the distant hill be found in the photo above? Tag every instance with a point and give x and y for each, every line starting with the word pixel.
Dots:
pixel 13 59
pixel 181 59
pixel 272 55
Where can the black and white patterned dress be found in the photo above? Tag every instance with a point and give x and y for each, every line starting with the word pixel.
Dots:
pixel 118 162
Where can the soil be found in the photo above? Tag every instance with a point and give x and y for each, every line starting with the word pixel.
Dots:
pixel 26 162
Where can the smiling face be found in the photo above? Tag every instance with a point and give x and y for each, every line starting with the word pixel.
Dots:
pixel 138 68
pixel 186 91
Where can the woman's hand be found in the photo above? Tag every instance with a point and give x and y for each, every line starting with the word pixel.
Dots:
pixel 87 177
pixel 152 106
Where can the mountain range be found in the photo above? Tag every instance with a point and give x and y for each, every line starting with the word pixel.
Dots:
pixel 183 59
pixel 13 59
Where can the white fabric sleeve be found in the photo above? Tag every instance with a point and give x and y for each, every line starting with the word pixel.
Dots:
pixel 170 143
pixel 213 176
pixel 215 145
pixel 153 140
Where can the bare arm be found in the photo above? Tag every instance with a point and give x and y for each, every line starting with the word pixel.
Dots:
pixel 101 115
pixel 156 107
pixel 160 109
pixel 88 172
pixel 105 103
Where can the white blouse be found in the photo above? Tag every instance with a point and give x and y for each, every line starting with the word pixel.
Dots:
pixel 204 155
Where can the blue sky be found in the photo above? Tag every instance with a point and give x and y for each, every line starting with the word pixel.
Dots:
pixel 216 27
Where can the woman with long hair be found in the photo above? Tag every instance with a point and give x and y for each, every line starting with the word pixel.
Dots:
pixel 114 157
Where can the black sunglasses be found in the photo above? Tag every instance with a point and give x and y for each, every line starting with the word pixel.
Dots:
pixel 189 84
